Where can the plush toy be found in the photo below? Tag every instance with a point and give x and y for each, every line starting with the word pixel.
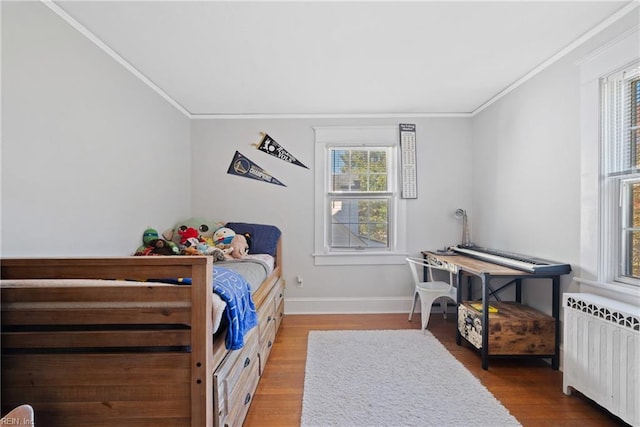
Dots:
pixel 209 240
pixel 148 235
pixel 204 228
pixel 152 244
pixel 223 236
pixel 186 234
pixel 247 236
pixel 205 249
pixel 239 246
pixel 217 253
pixel 190 247
pixel 202 231
pixel 164 247
pixel 195 246
pixel 222 240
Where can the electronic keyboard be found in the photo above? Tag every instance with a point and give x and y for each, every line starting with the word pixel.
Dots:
pixel 517 261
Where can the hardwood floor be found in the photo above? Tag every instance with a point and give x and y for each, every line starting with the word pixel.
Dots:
pixel 529 389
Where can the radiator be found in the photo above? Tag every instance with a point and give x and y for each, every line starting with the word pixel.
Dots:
pixel 602 352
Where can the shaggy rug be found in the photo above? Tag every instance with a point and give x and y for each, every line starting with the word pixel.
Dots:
pixel 392 378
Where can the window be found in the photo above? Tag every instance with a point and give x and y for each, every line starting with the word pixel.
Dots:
pixel 359 214
pixel 359 197
pixel 621 175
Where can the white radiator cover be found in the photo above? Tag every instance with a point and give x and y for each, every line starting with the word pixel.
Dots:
pixel 602 352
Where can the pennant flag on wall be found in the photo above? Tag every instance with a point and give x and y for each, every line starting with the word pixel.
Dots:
pixel 270 146
pixel 242 166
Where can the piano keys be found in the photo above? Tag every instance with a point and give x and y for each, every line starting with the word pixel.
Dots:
pixel 526 263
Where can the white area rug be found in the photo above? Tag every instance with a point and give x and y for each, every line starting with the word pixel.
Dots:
pixel 392 378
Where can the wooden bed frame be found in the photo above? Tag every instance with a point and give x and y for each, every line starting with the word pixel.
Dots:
pixel 106 353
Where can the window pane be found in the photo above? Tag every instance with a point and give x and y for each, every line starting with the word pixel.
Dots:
pixel 359 223
pixel 631 230
pixel 635 121
pixel 634 267
pixel 359 170
pixel 377 173
pixel 621 118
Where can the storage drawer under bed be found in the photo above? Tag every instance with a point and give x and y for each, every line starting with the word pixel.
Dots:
pixel 235 378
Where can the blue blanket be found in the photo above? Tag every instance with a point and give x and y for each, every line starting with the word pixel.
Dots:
pixel 240 311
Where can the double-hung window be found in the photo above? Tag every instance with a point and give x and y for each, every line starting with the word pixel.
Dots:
pixel 359 197
pixel 620 195
pixel 359 214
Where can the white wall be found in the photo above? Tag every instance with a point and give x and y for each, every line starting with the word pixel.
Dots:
pixel 90 155
pixel 444 173
pixel 527 166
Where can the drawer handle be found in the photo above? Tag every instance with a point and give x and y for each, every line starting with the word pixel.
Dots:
pixel 270 344
pixel 269 319
pixel 280 295
pixel 247 399
pixel 247 361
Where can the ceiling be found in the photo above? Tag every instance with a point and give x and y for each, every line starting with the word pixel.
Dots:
pixel 237 58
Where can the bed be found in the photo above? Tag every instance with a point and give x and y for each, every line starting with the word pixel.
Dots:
pixel 116 341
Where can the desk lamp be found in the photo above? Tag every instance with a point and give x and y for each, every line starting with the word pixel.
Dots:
pixel 466 240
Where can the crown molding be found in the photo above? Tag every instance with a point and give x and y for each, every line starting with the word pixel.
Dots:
pixel 113 54
pixel 326 116
pixel 561 54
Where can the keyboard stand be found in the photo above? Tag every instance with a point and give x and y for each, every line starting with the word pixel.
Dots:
pixel 471 267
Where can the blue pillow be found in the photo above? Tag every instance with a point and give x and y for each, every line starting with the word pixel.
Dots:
pixel 264 238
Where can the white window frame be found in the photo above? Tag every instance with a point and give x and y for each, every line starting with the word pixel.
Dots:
pixel 353 136
pixel 615 173
pixel 600 212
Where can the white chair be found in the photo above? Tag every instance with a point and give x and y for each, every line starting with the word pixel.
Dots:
pixel 430 290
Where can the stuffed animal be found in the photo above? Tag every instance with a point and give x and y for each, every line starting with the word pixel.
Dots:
pixel 239 246
pixel 152 244
pixel 216 253
pixel 186 234
pixel 223 236
pixel 205 249
pixel 164 247
pixel 148 235
pixel 190 246
pixel 204 228
pixel 190 250
pixel 195 246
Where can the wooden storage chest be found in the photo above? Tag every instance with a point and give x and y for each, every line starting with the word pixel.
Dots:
pixel 515 329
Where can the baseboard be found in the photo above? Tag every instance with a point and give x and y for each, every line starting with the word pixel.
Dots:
pixel 353 305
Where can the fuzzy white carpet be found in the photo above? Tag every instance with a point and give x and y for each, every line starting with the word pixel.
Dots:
pixel 392 378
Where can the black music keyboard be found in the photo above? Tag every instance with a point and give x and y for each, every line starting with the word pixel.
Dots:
pixel 509 259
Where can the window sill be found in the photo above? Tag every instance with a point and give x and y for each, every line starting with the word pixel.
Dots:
pixel 370 258
pixel 621 289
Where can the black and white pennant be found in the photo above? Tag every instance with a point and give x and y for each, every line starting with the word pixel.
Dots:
pixel 270 146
